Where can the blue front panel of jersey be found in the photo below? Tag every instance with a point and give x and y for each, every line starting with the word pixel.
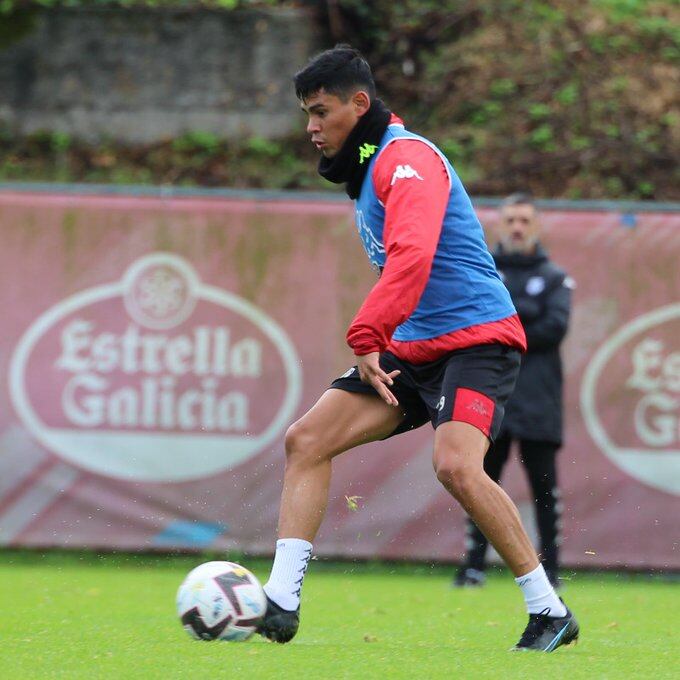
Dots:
pixel 464 288
pixel 369 216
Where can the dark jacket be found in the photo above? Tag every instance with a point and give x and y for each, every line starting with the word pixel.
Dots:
pixel 541 292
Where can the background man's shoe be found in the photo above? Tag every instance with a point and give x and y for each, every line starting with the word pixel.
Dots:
pixel 467 577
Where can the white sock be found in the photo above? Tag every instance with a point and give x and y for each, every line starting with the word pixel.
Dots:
pixel 288 571
pixel 539 594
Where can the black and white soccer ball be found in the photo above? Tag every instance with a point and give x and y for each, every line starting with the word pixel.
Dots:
pixel 220 601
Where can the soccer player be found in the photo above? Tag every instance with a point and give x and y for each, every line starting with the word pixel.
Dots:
pixel 437 339
pixel 541 293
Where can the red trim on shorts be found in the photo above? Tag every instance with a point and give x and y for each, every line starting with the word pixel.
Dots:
pixel 474 408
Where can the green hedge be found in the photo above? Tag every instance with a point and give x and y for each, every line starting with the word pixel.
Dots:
pixel 568 98
pixel 573 98
pixel 8 6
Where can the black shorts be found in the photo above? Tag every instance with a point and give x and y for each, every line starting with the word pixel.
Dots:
pixel 470 385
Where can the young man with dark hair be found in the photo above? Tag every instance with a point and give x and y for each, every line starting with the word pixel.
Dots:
pixel 437 339
pixel 541 293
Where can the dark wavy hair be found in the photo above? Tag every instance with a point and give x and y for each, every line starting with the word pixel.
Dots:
pixel 340 71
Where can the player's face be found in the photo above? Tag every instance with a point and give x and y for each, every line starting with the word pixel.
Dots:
pixel 519 228
pixel 330 119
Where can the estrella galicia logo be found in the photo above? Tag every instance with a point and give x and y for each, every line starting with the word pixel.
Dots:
pixel 630 398
pixel 155 377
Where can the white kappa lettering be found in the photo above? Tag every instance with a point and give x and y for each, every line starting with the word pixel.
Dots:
pixel 404 172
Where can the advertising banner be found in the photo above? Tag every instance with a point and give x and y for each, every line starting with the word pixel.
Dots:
pixel 155 350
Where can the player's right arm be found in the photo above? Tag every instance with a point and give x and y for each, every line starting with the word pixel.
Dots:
pixel 413 184
pixel 370 372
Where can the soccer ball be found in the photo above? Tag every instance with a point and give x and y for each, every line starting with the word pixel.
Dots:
pixel 220 601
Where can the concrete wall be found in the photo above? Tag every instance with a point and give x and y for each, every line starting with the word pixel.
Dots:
pixel 142 75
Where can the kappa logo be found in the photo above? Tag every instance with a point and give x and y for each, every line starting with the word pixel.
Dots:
pixel 366 150
pixel 404 172
pixel 478 406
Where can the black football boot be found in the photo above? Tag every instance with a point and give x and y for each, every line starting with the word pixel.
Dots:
pixel 546 633
pixel 278 624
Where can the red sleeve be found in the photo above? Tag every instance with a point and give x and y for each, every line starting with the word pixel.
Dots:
pixel 413 184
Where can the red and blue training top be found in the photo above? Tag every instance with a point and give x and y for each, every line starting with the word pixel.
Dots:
pixel 439 289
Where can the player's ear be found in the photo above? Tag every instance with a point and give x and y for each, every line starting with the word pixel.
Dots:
pixel 361 101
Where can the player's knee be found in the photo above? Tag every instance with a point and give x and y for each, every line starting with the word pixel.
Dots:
pixel 457 474
pixel 446 467
pixel 301 443
pixel 295 440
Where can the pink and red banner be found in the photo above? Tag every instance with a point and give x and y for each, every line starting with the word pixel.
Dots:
pixel 153 352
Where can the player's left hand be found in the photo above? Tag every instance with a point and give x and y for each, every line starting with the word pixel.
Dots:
pixel 371 373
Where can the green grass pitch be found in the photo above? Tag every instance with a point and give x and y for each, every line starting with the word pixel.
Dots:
pixel 87 616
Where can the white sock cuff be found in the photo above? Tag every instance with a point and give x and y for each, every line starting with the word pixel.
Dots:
pixel 288 572
pixel 536 576
pixel 293 544
pixel 539 594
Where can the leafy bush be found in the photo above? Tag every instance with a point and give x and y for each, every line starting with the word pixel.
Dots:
pixel 571 98
pixel 196 158
pixel 7 6
pixel 559 96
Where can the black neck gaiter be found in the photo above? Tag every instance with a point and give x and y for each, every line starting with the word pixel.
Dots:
pixel 351 162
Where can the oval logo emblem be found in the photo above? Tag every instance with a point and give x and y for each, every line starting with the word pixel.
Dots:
pixel 156 377
pixel 535 285
pixel 630 398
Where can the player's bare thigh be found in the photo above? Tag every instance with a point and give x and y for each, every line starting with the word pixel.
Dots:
pixel 339 421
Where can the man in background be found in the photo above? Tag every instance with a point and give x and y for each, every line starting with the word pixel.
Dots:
pixel 541 293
